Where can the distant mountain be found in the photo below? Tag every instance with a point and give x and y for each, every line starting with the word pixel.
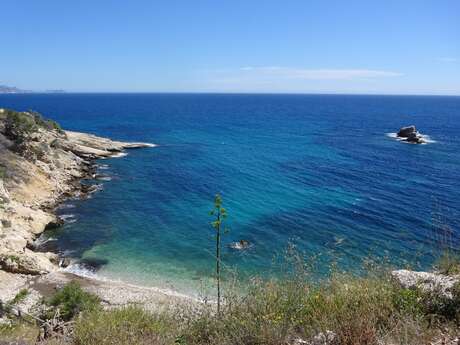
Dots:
pixel 12 89
pixel 55 91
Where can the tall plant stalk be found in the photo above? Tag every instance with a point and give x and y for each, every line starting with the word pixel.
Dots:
pixel 220 214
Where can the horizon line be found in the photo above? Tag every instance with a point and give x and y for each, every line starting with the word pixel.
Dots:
pixel 64 92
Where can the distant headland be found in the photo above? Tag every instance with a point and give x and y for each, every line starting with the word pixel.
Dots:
pixel 12 89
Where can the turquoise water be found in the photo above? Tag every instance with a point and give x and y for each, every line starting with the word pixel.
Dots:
pixel 315 170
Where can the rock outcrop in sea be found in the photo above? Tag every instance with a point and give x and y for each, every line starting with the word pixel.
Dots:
pixel 40 166
pixel 410 135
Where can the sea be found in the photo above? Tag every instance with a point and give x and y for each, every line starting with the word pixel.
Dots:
pixel 318 175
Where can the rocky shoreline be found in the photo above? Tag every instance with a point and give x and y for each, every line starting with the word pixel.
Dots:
pixel 48 170
pixel 40 169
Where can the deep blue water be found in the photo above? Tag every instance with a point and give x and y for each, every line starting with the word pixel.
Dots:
pixel 315 170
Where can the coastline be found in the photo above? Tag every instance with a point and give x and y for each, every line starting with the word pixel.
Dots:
pixel 31 190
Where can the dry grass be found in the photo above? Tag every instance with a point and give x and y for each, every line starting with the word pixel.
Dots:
pixel 359 310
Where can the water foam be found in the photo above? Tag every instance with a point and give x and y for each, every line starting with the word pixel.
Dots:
pixel 119 155
pixel 425 137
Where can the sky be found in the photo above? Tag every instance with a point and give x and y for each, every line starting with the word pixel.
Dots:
pixel 290 46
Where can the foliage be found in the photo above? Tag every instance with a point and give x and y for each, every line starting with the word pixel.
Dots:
pixel 359 310
pixel 220 214
pixel 127 326
pixel 448 263
pixel 20 296
pixel 71 300
pixel 25 331
pixel 45 123
pixel 19 126
pixel 2 172
pixel 441 308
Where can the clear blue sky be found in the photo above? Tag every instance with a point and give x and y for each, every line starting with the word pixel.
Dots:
pixel 365 46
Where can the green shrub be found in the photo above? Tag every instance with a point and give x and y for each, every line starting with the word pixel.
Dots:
pixel 358 310
pixel 45 123
pixel 71 300
pixel 448 263
pixel 127 326
pixel 19 125
pixel 2 172
pixel 272 312
pixel 20 296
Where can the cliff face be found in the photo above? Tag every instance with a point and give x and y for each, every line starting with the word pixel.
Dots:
pixel 40 165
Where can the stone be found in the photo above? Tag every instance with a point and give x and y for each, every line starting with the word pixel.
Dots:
pixel 322 338
pixel 410 134
pixel 64 262
pixel 426 281
pixel 4 195
pixel 6 223
pixel 405 132
pixel 240 245
pixel 55 223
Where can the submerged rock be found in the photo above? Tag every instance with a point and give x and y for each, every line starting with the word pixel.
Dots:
pixel 240 245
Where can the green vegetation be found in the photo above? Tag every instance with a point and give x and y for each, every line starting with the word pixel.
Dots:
pixel 448 263
pixel 71 300
pixel 2 172
pixel 20 296
pixel 19 333
pixel 220 214
pixel 13 258
pixel 130 325
pixel 349 309
pixel 19 126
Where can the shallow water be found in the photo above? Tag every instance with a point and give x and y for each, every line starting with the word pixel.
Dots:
pixel 318 171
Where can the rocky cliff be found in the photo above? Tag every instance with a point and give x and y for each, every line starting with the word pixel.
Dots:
pixel 40 166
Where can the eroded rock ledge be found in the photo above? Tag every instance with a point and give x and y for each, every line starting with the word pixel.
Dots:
pixel 40 166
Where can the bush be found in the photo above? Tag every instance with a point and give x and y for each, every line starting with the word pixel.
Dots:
pixel 357 310
pixel 71 300
pixel 448 263
pixel 273 312
pixel 45 123
pixel 19 126
pixel 2 172
pixel 20 296
pixel 127 326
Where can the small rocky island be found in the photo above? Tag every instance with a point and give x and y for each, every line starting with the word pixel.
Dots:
pixel 411 135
